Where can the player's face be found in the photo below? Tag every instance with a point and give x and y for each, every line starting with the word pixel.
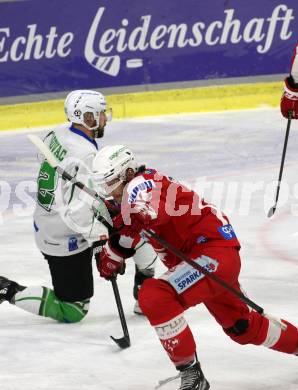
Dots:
pixel 99 132
pixel 116 189
pixel 91 122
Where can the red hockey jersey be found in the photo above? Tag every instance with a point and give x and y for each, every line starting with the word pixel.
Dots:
pixel 177 214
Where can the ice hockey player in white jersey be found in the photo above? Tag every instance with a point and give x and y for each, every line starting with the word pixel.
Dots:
pixel 64 223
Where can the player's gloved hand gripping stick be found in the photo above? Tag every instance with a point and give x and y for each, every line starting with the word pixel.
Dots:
pixel 51 159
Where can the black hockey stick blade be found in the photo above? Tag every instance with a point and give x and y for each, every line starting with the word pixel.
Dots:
pixel 271 211
pixel 123 342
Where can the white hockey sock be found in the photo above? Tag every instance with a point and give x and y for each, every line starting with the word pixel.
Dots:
pixel 29 299
pixel 43 301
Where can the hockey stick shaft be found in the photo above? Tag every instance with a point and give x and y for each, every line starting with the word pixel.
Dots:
pixel 125 341
pixel 211 276
pixel 273 208
pixel 47 153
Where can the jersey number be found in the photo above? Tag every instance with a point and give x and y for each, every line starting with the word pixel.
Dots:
pixel 47 184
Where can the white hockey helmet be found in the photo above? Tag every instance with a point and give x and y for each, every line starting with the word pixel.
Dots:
pixel 110 165
pixel 78 102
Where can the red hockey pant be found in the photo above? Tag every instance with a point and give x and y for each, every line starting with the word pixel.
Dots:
pixel 164 308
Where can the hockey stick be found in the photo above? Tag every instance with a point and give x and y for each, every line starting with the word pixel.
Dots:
pixel 43 148
pixel 273 208
pixel 215 278
pixel 123 342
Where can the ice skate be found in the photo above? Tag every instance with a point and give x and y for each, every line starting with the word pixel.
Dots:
pixel 192 378
pixel 8 289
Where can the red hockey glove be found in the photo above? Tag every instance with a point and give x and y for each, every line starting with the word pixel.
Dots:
pixel 130 232
pixel 135 219
pixel 289 99
pixel 109 262
pixel 132 229
pixel 128 235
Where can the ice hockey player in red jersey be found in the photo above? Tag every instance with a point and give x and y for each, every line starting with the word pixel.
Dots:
pixel 153 201
pixel 289 99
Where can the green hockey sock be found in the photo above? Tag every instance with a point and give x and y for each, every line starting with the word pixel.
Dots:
pixel 43 301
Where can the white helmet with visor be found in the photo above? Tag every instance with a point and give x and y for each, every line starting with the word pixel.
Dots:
pixel 79 102
pixel 110 165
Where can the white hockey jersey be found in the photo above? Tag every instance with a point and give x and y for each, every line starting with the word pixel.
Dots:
pixel 63 219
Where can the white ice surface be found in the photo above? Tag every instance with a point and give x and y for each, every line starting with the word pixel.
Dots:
pixel 234 148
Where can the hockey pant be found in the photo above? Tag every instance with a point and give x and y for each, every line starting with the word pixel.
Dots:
pixel 164 300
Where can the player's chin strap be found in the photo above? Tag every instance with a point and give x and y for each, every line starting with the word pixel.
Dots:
pixel 107 221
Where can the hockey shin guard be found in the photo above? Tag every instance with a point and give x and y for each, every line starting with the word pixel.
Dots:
pixel 43 301
pixel 159 303
pixel 177 340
